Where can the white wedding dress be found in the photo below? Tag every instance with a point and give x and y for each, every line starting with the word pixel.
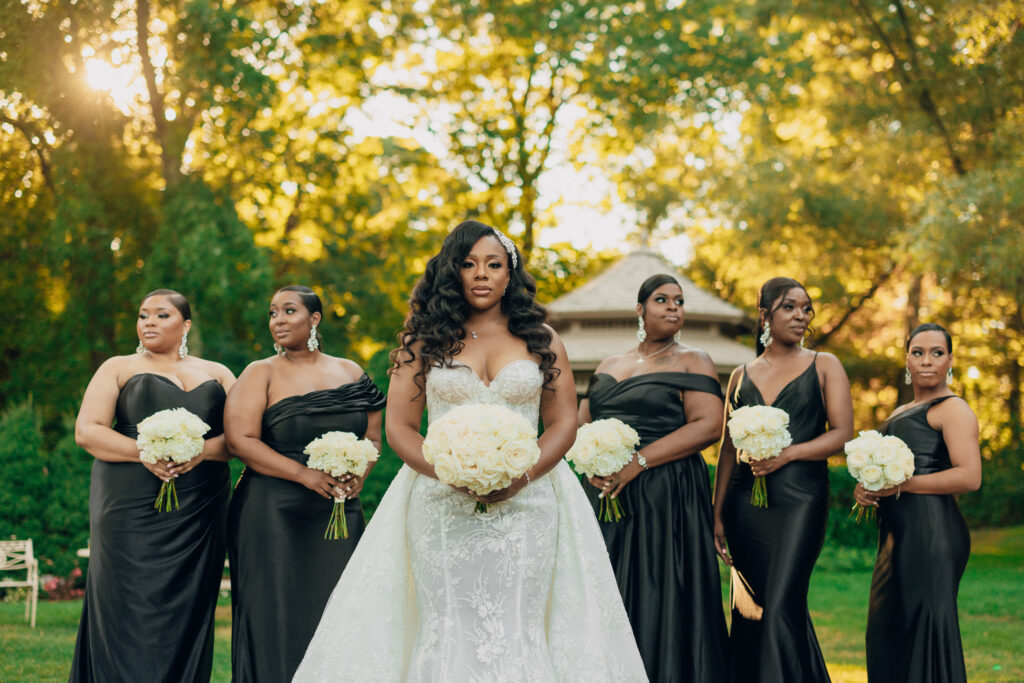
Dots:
pixel 437 592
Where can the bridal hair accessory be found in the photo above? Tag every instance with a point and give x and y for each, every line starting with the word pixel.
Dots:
pixel 906 375
pixel 183 349
pixel 509 245
pixel 949 376
pixel 766 335
pixel 312 343
pixel 140 348
pixel 641 333
pixel 278 349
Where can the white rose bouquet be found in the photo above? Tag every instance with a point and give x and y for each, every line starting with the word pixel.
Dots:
pixel 483 448
pixel 878 462
pixel 759 433
pixel 337 454
pixel 174 434
pixel 602 448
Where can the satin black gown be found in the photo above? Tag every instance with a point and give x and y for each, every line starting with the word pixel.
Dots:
pixel 662 551
pixel 913 633
pixel 282 568
pixel 153 579
pixel 774 549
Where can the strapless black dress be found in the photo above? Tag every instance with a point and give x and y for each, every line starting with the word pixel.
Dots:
pixel 153 579
pixel 282 568
pixel 913 633
pixel 662 551
pixel 775 548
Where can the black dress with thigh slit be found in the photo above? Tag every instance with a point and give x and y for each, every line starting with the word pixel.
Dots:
pixel 662 551
pixel 913 633
pixel 153 579
pixel 282 568
pixel 774 549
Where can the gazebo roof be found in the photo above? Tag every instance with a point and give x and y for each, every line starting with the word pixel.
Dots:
pixel 612 294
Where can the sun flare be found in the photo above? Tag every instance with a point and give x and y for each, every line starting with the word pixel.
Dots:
pixel 123 83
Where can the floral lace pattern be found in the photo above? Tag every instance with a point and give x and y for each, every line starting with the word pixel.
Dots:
pixel 438 592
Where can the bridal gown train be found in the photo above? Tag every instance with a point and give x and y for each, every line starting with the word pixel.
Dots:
pixel 436 591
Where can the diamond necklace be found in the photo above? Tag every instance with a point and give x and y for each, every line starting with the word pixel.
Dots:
pixel 664 348
pixel 472 333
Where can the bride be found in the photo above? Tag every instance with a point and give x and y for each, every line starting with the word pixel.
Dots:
pixel 436 591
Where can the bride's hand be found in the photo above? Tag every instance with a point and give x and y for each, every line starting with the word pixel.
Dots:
pixel 502 494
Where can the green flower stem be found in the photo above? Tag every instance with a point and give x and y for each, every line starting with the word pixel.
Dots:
pixel 481 507
pixel 759 494
pixel 862 511
pixel 167 497
pixel 337 525
pixel 610 510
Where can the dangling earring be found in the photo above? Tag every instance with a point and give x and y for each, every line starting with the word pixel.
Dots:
pixel 278 349
pixel 641 333
pixel 949 376
pixel 801 341
pixel 140 348
pixel 183 349
pixel 312 343
pixel 678 335
pixel 906 376
pixel 766 335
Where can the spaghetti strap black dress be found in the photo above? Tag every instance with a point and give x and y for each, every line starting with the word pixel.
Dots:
pixel 153 579
pixel 282 568
pixel 662 551
pixel 774 549
pixel 913 633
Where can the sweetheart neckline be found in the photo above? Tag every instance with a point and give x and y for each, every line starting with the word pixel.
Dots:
pixel 169 381
pixel 494 379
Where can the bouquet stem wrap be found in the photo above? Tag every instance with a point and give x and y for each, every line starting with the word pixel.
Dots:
pixel 338 454
pixel 174 434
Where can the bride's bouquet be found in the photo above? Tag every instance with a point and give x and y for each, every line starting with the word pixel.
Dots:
pixel 602 448
pixel 878 462
pixel 759 433
pixel 337 454
pixel 174 434
pixel 481 447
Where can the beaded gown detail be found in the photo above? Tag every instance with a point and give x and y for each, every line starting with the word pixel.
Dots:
pixel 437 591
pixel 153 578
pixel 774 549
pixel 913 633
pixel 663 551
pixel 282 568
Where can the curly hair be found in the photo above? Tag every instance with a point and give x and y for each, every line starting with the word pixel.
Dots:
pixel 438 309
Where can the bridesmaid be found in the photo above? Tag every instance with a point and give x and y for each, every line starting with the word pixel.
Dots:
pixel 153 579
pixel 282 568
pixel 662 550
pixel 913 632
pixel 773 550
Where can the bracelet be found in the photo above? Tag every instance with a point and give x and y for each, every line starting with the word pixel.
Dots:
pixel 641 460
pixel 527 475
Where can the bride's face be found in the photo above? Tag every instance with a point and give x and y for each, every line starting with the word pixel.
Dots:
pixel 484 273
pixel 160 324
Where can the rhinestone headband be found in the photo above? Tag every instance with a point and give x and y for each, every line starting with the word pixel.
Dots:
pixel 509 245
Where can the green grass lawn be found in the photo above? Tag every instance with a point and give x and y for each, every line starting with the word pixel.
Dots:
pixel 991 618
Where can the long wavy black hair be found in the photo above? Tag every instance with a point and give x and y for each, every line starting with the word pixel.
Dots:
pixel 438 310
pixel 770 291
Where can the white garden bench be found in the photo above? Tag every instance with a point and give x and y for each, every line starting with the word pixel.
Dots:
pixel 17 556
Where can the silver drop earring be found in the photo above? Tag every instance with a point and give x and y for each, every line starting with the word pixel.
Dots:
pixel 766 335
pixel 641 333
pixel 312 343
pixel 906 376
pixel 278 349
pixel 183 349
pixel 949 376
pixel 140 348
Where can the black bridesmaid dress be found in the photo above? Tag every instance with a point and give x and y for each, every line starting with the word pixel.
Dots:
pixel 662 551
pixel 153 579
pixel 913 633
pixel 282 568
pixel 774 549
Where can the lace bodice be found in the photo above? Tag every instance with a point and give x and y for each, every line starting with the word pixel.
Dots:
pixel 517 386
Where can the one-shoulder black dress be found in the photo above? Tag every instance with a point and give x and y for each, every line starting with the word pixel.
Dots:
pixel 662 550
pixel 282 568
pixel 153 579
pixel 774 549
pixel 913 633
